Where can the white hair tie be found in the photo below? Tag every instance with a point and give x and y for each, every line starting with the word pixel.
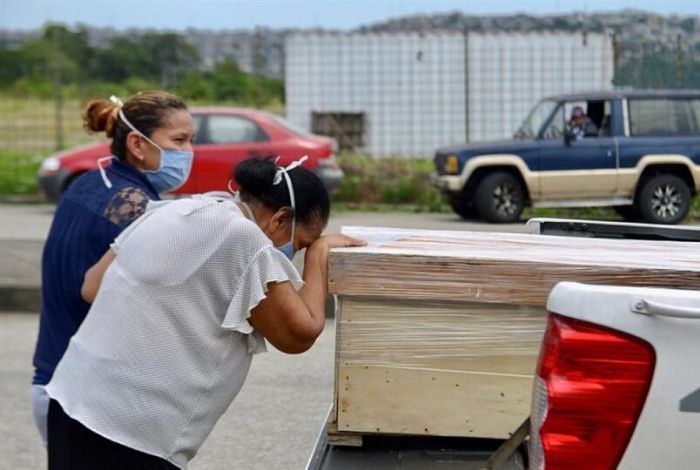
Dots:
pixel 283 170
pixel 116 100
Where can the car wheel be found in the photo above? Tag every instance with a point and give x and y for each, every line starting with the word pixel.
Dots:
pixel 628 213
pixel 664 199
pixel 499 198
pixel 463 205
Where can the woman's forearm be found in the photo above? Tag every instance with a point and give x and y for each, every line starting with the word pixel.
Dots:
pixel 93 276
pixel 315 288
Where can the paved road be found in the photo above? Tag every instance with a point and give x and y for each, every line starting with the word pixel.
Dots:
pixel 274 421
pixel 23 229
pixel 30 222
pixel 272 424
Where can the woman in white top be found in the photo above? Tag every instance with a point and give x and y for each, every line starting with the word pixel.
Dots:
pixel 180 303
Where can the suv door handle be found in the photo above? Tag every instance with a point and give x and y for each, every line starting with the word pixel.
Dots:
pixel 650 308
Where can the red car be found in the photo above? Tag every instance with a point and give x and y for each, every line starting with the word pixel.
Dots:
pixel 225 137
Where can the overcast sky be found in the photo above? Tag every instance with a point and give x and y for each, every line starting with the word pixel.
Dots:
pixel 336 14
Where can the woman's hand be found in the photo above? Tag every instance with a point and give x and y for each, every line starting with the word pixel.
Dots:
pixel 335 240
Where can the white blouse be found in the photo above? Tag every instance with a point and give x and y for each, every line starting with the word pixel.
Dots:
pixel 167 345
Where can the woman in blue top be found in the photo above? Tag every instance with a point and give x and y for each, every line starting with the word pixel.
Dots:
pixel 151 153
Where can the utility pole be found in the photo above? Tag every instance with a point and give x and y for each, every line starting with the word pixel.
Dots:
pixel 617 51
pixel 57 61
pixel 679 62
pixel 257 66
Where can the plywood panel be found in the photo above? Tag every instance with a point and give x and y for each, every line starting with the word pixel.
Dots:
pixel 448 369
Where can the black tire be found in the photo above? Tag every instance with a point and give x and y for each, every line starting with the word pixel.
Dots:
pixel 629 213
pixel 463 205
pixel 664 199
pixel 500 198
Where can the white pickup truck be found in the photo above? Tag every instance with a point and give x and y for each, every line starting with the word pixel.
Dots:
pixel 614 386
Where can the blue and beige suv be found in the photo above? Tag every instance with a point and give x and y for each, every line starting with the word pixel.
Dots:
pixel 637 151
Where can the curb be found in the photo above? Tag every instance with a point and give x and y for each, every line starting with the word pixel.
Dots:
pixel 23 199
pixel 20 299
pixel 27 299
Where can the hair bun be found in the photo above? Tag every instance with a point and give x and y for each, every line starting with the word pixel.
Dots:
pixel 255 175
pixel 101 116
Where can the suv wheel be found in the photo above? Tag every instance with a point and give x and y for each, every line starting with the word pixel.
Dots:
pixel 664 199
pixel 499 198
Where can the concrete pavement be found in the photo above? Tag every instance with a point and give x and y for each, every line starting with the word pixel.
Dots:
pixel 23 230
pixel 272 424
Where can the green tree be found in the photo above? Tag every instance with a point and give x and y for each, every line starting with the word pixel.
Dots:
pixel 229 82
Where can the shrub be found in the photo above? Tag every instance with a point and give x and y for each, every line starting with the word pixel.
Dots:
pixel 388 181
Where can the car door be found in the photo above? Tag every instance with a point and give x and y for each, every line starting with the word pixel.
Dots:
pixel 584 168
pixel 665 130
pixel 227 140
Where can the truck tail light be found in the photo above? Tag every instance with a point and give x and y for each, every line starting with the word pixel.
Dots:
pixel 590 387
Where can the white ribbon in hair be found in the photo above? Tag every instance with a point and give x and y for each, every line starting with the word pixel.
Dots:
pixel 116 100
pixel 101 161
pixel 283 170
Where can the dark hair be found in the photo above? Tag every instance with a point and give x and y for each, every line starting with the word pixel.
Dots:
pixel 147 111
pixel 255 178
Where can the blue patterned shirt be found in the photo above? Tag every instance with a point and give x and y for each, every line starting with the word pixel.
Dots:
pixel 88 218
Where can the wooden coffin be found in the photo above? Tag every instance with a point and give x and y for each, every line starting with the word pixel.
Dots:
pixel 438 332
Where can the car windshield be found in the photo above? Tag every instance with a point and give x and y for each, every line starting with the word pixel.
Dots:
pixel 533 123
pixel 288 125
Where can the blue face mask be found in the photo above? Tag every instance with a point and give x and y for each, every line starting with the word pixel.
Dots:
pixel 175 165
pixel 288 248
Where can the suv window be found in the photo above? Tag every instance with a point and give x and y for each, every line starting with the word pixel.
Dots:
pixel 233 130
pixel 530 128
pixel 695 116
pixel 659 117
pixel 555 128
pixel 594 118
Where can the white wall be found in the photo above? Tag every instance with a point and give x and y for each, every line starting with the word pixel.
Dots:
pixel 509 73
pixel 412 87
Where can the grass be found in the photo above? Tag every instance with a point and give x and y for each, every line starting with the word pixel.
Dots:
pixel 18 172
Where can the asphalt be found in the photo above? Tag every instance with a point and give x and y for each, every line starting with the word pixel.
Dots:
pixel 23 230
pixel 24 227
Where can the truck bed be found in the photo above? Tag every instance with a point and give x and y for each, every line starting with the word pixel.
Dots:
pixel 382 452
